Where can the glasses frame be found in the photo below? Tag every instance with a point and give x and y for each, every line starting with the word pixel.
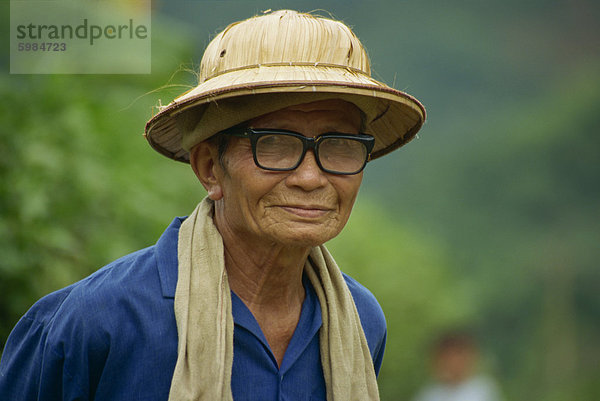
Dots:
pixel 307 143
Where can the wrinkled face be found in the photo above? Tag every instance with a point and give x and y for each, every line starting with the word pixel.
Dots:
pixel 303 207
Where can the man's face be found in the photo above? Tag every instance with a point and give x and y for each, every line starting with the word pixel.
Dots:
pixel 302 207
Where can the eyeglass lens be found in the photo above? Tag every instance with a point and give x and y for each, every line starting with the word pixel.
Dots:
pixel 341 155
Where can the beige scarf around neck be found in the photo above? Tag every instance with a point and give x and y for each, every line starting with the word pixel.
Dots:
pixel 205 322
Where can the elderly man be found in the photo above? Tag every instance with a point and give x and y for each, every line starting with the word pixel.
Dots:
pixel 240 300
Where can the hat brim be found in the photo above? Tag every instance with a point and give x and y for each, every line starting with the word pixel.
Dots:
pixel 391 116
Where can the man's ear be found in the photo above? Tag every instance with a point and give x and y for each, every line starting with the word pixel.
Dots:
pixel 204 159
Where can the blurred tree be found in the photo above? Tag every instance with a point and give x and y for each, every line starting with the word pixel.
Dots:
pixel 79 185
pixel 410 273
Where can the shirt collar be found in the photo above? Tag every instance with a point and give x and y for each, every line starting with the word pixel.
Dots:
pixel 308 325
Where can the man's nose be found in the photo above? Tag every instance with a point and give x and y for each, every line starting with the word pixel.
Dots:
pixel 308 175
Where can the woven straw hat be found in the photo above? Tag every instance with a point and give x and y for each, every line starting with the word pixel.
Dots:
pixel 277 60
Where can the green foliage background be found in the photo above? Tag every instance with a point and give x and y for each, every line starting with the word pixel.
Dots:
pixel 490 219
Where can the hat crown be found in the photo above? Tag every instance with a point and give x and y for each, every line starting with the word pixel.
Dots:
pixel 283 37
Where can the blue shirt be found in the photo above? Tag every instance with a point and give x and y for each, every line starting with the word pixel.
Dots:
pixel 112 336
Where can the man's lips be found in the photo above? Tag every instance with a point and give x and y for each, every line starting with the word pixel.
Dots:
pixel 307 211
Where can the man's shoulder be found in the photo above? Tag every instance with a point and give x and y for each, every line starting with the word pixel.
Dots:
pixel 110 282
pixel 120 276
pixel 372 319
pixel 151 271
pixel 365 301
pixel 369 310
pixel 118 319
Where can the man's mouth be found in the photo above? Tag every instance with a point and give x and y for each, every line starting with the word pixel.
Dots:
pixel 307 211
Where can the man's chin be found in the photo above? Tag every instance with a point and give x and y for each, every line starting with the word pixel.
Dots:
pixel 299 235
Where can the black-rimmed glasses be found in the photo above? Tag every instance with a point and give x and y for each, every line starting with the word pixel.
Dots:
pixel 284 150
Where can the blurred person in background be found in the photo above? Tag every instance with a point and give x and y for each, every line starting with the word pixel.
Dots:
pixel 240 300
pixel 454 363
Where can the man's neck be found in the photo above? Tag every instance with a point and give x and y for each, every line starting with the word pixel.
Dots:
pixel 268 279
